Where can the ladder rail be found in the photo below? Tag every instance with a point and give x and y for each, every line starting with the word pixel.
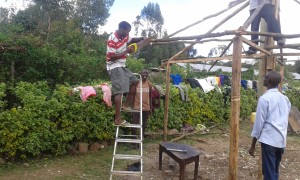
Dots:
pixel 138 141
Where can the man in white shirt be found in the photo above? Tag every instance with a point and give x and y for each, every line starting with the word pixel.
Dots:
pixel 270 126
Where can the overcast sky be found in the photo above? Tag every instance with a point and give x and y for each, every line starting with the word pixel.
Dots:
pixel 180 13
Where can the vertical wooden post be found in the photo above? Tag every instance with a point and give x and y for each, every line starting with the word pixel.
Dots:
pixel 235 108
pixel 281 72
pixel 167 97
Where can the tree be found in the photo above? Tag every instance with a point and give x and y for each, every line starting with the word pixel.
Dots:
pixel 92 13
pixel 216 51
pixel 150 22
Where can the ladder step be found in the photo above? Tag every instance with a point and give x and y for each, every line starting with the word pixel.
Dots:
pixel 126 156
pixel 130 110
pixel 129 140
pixel 131 125
pixel 128 136
pixel 127 172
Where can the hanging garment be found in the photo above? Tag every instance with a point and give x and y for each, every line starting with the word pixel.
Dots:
pixel 106 94
pixel 205 86
pixel 176 79
pixel 249 84
pixel 183 92
pixel 218 81
pixel 193 82
pixel 211 81
pixel 87 91
pixel 244 83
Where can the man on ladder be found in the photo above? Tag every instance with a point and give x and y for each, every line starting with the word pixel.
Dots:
pixel 123 81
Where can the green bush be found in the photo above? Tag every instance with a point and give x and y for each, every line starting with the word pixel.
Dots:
pixel 201 108
pixel 248 102
pixel 45 120
pixel 293 96
pixel 2 95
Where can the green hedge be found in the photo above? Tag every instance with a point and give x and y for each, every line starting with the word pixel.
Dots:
pixel 45 121
pixel 294 95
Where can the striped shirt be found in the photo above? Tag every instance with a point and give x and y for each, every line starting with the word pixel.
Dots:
pixel 115 45
pixel 255 3
pixel 271 123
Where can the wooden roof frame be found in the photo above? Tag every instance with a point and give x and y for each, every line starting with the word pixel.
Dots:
pixel 266 56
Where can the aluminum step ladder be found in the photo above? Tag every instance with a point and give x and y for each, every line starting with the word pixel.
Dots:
pixel 128 139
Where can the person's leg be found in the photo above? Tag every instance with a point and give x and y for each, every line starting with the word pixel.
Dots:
pixel 130 96
pixel 279 153
pixel 135 120
pixel 254 27
pixel 145 120
pixel 118 102
pixel 133 81
pixel 120 85
pixel 268 161
pixel 268 13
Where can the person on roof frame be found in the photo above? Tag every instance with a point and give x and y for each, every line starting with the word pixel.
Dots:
pixel 268 13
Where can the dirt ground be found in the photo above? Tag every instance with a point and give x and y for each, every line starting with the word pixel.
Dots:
pixel 214 147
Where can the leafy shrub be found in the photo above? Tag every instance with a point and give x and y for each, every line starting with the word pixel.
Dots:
pixel 200 109
pixel 47 122
pixel 2 95
pixel 293 96
pixel 248 102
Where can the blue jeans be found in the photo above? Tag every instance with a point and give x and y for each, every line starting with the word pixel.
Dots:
pixel 268 13
pixel 271 157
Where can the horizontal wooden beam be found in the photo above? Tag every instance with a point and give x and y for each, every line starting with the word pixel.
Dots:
pixel 293 46
pixel 254 56
pixel 250 43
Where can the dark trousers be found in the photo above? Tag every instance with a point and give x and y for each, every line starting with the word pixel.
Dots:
pixel 271 157
pixel 268 13
pixel 136 120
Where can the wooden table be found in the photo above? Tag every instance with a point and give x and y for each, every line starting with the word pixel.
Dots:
pixel 182 154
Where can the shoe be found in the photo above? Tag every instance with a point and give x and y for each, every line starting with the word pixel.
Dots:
pixel 281 42
pixel 124 123
pixel 250 52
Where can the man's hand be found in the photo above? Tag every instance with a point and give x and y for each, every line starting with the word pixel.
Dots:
pixel 251 150
pixel 130 49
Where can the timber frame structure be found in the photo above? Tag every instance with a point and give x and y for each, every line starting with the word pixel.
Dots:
pixel 267 62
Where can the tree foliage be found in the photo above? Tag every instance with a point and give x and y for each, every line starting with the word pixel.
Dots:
pixel 150 22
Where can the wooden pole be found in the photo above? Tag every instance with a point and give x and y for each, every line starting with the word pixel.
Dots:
pixel 227 32
pixel 167 99
pixel 235 108
pixel 210 31
pixel 281 72
pixel 207 17
pixel 297 1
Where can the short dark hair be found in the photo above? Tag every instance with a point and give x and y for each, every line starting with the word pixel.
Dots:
pixel 124 25
pixel 274 78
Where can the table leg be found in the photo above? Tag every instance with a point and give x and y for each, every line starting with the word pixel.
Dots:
pixel 160 158
pixel 196 168
pixel 182 170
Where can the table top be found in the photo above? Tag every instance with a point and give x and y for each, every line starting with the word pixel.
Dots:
pixel 188 151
